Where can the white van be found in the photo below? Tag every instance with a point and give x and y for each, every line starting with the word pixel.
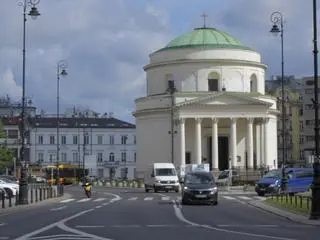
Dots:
pixel 161 177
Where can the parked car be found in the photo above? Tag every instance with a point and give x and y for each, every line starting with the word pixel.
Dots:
pixel 299 180
pixel 199 187
pixel 11 187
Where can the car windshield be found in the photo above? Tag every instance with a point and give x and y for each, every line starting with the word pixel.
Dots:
pixel 166 172
pixel 6 180
pixel 223 175
pixel 273 174
pixel 199 178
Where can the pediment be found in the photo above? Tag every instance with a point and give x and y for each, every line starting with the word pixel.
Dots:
pixel 225 98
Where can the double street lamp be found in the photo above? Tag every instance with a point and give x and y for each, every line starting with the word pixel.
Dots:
pixel 315 202
pixel 61 71
pixel 23 183
pixel 277 20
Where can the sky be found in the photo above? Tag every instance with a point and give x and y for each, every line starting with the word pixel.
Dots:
pixel 106 43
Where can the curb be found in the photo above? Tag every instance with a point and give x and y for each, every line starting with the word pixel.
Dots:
pixel 283 213
pixel 33 205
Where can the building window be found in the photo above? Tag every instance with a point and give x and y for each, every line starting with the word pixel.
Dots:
pixel 64 157
pixel 75 140
pixel 134 139
pixel 111 157
pixel 212 84
pixel 135 157
pixel 86 139
pixel 123 156
pixel 40 157
pixel 40 140
pixel 111 139
pixel 100 173
pixel 100 140
pixel 100 157
pixel 124 139
pixel 52 140
pixel 52 157
pixel 75 157
pixel 13 134
pixel 63 140
pixel 124 173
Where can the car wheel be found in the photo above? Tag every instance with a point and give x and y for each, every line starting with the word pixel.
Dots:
pixel 184 201
pixel 261 194
pixel 9 192
pixel 177 190
pixel 214 203
pixel 146 189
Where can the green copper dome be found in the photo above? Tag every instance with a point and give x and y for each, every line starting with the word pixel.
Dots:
pixel 210 38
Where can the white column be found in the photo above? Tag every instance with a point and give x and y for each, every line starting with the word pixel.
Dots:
pixel 250 142
pixel 233 134
pixel 258 145
pixel 198 141
pixel 266 149
pixel 214 147
pixel 182 142
pixel 262 143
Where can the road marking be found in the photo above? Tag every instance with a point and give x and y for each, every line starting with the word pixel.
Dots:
pixel 98 206
pixel 235 225
pixel 155 226
pixel 67 200
pixel 148 198
pixel 180 216
pixel 57 209
pixel 4 238
pixel 244 198
pixel 259 198
pixel 165 198
pixel 84 200
pixel 2 224
pixel 126 226
pixel 98 226
pixel 133 198
pixel 229 198
pixel 99 199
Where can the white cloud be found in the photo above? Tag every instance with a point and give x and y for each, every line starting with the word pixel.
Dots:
pixel 8 85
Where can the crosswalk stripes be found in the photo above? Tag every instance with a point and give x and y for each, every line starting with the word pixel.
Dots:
pixel 160 198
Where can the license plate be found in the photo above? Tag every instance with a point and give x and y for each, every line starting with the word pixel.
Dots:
pixel 201 196
pixel 168 187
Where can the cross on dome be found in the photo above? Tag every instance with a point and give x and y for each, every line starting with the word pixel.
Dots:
pixel 204 16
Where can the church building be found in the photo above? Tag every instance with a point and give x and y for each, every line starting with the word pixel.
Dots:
pixel 205 103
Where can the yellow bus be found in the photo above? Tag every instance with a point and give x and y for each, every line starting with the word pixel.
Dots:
pixel 69 174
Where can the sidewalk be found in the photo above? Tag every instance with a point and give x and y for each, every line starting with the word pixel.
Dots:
pixel 15 208
pixel 294 217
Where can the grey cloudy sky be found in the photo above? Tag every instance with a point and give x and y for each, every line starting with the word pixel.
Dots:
pixel 107 43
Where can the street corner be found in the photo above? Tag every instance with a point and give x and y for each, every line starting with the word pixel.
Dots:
pixel 292 216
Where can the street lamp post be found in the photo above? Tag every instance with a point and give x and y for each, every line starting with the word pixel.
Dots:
pixel 23 183
pixel 315 202
pixel 85 135
pixel 277 27
pixel 61 71
pixel 172 89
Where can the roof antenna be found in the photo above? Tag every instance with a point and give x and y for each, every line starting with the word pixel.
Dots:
pixel 204 16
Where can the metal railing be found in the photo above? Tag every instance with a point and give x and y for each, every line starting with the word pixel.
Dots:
pixel 36 193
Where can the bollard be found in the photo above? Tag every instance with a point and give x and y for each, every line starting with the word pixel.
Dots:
pixel 10 200
pixel 2 199
pixel 31 200
pixel 17 199
pixel 40 192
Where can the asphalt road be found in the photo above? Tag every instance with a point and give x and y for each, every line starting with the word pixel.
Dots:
pixel 133 214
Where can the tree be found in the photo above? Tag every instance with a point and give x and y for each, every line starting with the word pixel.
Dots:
pixel 6 154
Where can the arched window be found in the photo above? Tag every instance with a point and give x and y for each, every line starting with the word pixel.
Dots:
pixel 169 80
pixel 253 83
pixel 213 81
pixel 111 157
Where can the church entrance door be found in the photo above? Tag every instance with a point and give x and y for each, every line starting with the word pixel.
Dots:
pixel 223 148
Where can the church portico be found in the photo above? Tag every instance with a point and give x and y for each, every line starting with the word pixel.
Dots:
pixel 241 134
